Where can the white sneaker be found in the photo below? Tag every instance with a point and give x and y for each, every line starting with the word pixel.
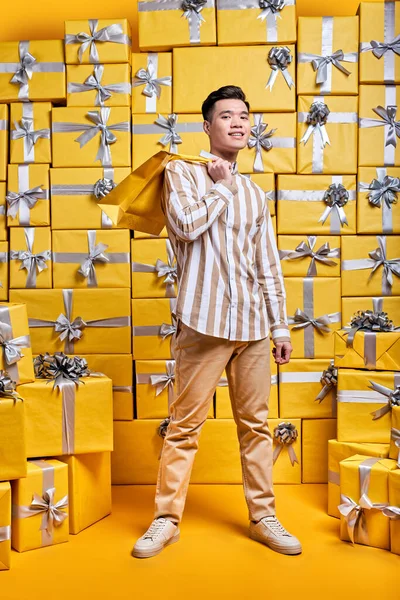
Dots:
pixel 161 533
pixel 270 532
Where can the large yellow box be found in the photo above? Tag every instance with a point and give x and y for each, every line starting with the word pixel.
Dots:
pixel 316 298
pixel 31 528
pixel 394 500
pixel 78 141
pixel 152 328
pixel 110 41
pixel 194 80
pixel 28 201
pixel 315 436
pixel 89 487
pixel 301 392
pixel 151 82
pixel 338 451
pixel 153 269
pixel 306 204
pixel 99 85
pixel 376 524
pixel 93 258
pixel 12 439
pixel 17 358
pixel 363 412
pixel 4 126
pixel 340 154
pixel 5 526
pixel 105 312
pixel 309 256
pixel 76 421
pixel 278 132
pixel 166 27
pixel 378 210
pixel 75 193
pixel 379 21
pixel 376 137
pixel 30 136
pixel 25 271
pixel 363 274
pixel 375 350
pixel 390 305
pixel 48 70
pixel 255 25
pixel 4 261
pixel 320 37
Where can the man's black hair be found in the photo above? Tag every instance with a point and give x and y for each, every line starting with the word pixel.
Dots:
pixel 224 93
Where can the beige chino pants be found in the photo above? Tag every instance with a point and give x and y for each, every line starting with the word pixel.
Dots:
pixel 200 361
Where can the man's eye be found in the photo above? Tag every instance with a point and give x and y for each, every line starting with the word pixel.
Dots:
pixel 246 118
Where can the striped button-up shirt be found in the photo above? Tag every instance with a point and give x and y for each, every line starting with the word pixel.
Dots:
pixel 230 283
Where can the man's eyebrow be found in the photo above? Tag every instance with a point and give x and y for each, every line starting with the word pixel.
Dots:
pixel 230 112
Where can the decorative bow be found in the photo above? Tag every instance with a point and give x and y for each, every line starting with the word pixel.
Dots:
pixel 285 434
pixel 12 347
pixel 302 320
pixel 388 117
pixel 111 33
pixel 166 329
pixel 67 329
pixel 93 82
pixel 30 261
pixel 107 137
pixel 102 187
pixel 53 513
pixel 393 399
pixel 306 249
pixel 96 254
pixel 171 137
pixel 329 379
pixel 163 426
pixel 189 6
pixel 24 130
pixel 166 379
pixel 368 320
pixel 395 436
pixel 152 84
pixel 60 368
pixel 168 270
pixel 336 196
pixel 7 387
pixel 379 48
pixel 320 64
pixel 390 267
pixel 317 118
pixel 29 197
pixel 24 70
pixel 270 7
pixel 279 58
pixel 259 139
pixel 383 190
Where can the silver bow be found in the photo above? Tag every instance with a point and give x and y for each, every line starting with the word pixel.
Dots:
pixel 390 266
pixel 12 346
pixel 93 82
pixel 302 320
pixel 171 137
pixel 285 434
pixel 316 119
pixel 152 84
pixel 393 399
pixel 33 263
pixel 166 329
pixel 270 7
pixel 102 187
pixel 28 197
pixel 387 117
pixel 306 249
pixel 96 254
pixel 260 140
pixel 24 130
pixel 111 33
pixel 67 329
pixel 7 389
pixel 329 379
pixel 320 65
pixel 24 70
pixel 379 48
pixel 336 196
pixel 162 381
pixel 384 189
pixel 279 58
pixel 53 513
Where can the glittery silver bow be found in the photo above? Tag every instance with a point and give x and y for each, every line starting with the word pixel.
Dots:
pixel 393 399
pixel 279 58
pixel 102 187
pixel 193 5
pixel 368 320
pixel 316 119
pixel 171 137
pixel 59 367
pixel 329 379
pixel 163 426
pixel 270 6
pixel 24 130
pixel 285 434
pixel 336 196
pixel 7 387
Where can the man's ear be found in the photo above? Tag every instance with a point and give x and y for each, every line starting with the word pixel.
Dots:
pixel 206 127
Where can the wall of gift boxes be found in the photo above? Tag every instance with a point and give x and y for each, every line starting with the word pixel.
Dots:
pixel 76 116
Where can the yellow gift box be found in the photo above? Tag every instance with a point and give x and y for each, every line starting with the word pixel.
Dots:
pixel 390 305
pixel 12 439
pixel 72 420
pixel 75 193
pixel 32 70
pixel 4 259
pixel 99 85
pixel 237 25
pixel 302 393
pixel 3 217
pixel 153 269
pixel 363 271
pixel 315 436
pixel 377 134
pixel 16 355
pixel 360 477
pixel 373 350
pixel 151 82
pixel 142 235
pixel 99 318
pixel 83 137
pixel 267 89
pixel 46 484
pixel 266 181
pixel 92 258
pixel 394 500
pixel 394 451
pixel 165 27
pixel 278 133
pixel 5 526
pixel 380 23
pixel 364 405
pixel 309 256
pixel 30 132
pixel 97 41
pixel 377 208
pixel 339 154
pixel 318 39
pixel 4 125
pixel 338 451
pixel 313 308
pixel 150 134
pixel 30 257
pixel 27 196
pixel 89 489
pixel 152 327
pixel 304 204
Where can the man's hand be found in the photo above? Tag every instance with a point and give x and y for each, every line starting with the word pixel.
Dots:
pixel 282 352
pixel 220 169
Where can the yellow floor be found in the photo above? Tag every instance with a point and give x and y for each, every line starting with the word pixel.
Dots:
pixel 213 560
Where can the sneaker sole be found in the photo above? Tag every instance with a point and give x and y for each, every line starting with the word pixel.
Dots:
pixel 282 550
pixel 149 553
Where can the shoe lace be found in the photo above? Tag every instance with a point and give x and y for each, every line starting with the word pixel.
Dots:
pixel 155 528
pixel 275 526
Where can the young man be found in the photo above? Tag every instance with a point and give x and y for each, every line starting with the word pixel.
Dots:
pixel 231 296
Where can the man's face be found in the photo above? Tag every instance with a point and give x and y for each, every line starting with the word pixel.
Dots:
pixel 229 129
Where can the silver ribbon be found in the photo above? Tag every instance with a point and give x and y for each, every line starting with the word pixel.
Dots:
pixel 285 434
pixel 166 330
pixel 11 347
pixel 107 137
pixel 24 130
pixel 395 437
pixel 169 270
pixel 279 58
pixel 316 119
pixel 328 381
pixel 93 83
pixel 336 196
pixel 382 193
pixel 163 380
pixel 163 331
pixel 387 119
pixel 389 47
pixel 260 140
pixel 24 200
pixel 152 83
pixel 112 33
pixel 33 263
pixel 393 397
pixel 5 533
pixel 324 254
pixel 171 137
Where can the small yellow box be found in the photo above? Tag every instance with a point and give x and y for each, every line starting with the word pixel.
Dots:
pixel 14 328
pixel 394 500
pixel 12 439
pixel 99 85
pixel 378 209
pixel 28 201
pixel 5 526
pixel 30 136
pixel 4 127
pixel 4 260
pixel 97 41
pixel 153 269
pixel 315 436
pixel 390 305
pixel 309 256
pixel 79 139
pixel 25 272
pixel 377 350
pixel 151 82
pixel 152 327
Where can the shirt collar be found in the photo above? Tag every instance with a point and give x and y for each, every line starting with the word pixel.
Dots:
pixel 206 154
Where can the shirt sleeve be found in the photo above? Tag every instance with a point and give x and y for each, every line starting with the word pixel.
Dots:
pixel 188 214
pixel 270 277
